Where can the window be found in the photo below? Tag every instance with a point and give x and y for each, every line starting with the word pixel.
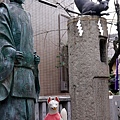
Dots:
pixel 103 49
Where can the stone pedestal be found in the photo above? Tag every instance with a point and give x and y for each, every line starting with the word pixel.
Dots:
pixel 88 68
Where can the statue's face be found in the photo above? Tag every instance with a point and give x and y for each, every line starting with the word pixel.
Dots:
pixel 18 1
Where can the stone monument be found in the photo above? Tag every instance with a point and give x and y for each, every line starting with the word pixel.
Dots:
pixel 88 68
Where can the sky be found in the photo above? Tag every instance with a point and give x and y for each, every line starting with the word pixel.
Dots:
pixel 111 18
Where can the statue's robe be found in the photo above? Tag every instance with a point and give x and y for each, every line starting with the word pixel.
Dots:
pixel 17 82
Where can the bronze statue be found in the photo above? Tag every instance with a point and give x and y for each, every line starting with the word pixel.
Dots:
pixel 87 7
pixel 19 83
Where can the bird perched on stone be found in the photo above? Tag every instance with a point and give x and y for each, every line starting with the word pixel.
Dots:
pixel 87 7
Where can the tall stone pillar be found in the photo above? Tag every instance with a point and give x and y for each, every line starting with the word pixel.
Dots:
pixel 88 68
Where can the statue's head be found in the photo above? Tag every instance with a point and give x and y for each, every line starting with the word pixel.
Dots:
pixel 18 1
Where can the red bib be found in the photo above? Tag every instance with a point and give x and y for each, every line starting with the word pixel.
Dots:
pixel 52 116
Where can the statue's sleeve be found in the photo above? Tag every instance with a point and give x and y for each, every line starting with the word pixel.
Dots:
pixel 5 25
pixel 7 52
pixel 7 49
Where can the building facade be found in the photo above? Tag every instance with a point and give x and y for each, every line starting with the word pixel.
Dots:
pixel 49 23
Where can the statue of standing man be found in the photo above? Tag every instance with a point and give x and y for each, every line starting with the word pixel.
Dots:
pixel 19 83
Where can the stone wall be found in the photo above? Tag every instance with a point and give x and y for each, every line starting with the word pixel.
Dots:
pixel 88 69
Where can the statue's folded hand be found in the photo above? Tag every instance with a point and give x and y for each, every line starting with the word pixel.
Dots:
pixel 18 58
pixel 8 53
pixel 36 58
